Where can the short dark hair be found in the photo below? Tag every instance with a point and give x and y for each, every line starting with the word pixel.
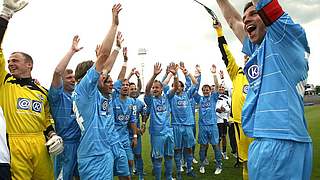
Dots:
pixel 157 81
pixel 249 4
pixel 131 83
pixel 26 56
pixel 82 68
pixel 68 71
pixel 206 85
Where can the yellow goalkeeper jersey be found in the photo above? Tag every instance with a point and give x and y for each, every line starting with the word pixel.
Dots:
pixel 237 76
pixel 25 104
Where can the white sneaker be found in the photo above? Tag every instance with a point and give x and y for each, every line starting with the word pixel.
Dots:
pixel 184 165
pixel 235 155
pixel 206 162
pixel 181 169
pixel 202 170
pixel 217 171
pixel 194 161
pixel 225 156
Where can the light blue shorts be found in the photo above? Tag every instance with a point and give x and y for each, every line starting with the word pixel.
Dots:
pixel 183 136
pixel 208 134
pixel 121 166
pixel 274 159
pixel 96 167
pixel 66 162
pixel 162 145
pixel 138 148
pixel 127 147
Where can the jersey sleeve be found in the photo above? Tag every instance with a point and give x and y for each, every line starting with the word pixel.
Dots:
pixel 55 93
pixel 228 58
pixel 191 91
pixel 3 71
pixel 197 97
pixel 133 115
pixel 117 86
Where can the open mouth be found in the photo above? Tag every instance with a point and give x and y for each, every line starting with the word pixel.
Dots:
pixel 251 28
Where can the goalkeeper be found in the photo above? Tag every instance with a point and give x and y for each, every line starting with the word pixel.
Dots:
pixel 26 110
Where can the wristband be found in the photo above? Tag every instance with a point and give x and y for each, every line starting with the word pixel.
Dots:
pixel 125 64
pixel 135 136
pixel 117 48
pixel 219 32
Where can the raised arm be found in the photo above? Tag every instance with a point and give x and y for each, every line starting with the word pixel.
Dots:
pixel 106 45
pixel 112 58
pixel 168 75
pixel 233 18
pixel 227 57
pixel 124 66
pixel 134 71
pixel 215 79
pixel 173 68
pixel 156 71
pixel 61 67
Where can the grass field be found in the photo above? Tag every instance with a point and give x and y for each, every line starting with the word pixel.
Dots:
pixel 231 173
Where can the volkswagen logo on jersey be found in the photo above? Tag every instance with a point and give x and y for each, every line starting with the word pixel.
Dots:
pixel 253 71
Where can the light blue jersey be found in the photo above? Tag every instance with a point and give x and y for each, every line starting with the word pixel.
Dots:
pixel 97 112
pixel 207 106
pixel 125 113
pixel 61 109
pixel 277 71
pixel 188 85
pixel 66 127
pixel 181 108
pixel 159 109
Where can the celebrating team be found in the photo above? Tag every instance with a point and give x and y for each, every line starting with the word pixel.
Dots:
pixel 97 130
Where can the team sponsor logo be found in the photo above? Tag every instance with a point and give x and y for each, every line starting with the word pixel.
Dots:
pixel 245 89
pixel 23 103
pixel 253 71
pixel 123 117
pixel 36 106
pixel 206 105
pixel 27 104
pixel 104 105
pixel 161 108
pixel 182 103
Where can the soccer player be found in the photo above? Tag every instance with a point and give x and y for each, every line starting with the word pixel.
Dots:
pixel 62 85
pixel 125 113
pixel 188 84
pixel 134 93
pixel 239 93
pixel 208 129
pixel 94 112
pixel 273 112
pixel 223 111
pixel 161 133
pixel 26 111
pixel 182 122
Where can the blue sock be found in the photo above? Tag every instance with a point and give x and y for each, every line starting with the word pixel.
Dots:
pixel 139 166
pixel 157 168
pixel 217 155
pixel 202 154
pixel 177 159
pixel 168 167
pixel 189 162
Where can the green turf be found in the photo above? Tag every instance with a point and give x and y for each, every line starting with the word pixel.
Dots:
pixel 231 173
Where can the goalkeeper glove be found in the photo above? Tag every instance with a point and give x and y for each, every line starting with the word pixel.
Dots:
pixel 55 144
pixel 12 6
